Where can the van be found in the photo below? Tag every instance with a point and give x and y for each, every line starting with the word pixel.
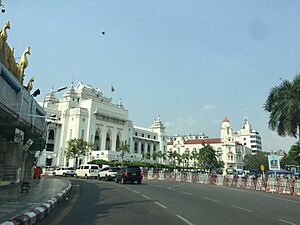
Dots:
pixel 87 171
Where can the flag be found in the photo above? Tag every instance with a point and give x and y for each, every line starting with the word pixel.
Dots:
pixel 112 88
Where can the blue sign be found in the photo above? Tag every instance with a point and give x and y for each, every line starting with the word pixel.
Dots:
pixel 293 170
pixel 274 162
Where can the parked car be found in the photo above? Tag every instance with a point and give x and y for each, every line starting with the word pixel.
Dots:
pixel 129 174
pixel 48 170
pixel 87 171
pixel 108 173
pixel 64 171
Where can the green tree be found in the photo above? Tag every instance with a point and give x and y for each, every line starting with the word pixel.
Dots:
pixel 194 156
pixel 255 161
pixel 185 158
pixel 161 155
pixel 172 156
pixel 292 158
pixel 77 147
pixel 283 104
pixel 124 148
pixel 208 158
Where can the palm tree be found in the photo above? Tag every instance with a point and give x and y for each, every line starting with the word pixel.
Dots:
pixel 161 155
pixel 155 156
pixel 208 157
pixel 123 149
pixel 172 156
pixel 185 158
pixel 283 104
pixel 194 157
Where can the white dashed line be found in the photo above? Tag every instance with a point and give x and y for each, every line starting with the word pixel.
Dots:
pixel 237 207
pixel 183 219
pixel 145 196
pixel 287 222
pixel 135 191
pixel 161 205
pixel 211 199
pixel 186 193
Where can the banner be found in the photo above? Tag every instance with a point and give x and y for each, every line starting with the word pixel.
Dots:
pixel 274 163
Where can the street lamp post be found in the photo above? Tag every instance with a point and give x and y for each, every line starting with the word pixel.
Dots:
pixel 55 91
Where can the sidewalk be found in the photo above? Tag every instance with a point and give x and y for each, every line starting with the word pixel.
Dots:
pixel 42 197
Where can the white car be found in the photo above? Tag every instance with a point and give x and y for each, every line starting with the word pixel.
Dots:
pixel 87 171
pixel 64 171
pixel 108 173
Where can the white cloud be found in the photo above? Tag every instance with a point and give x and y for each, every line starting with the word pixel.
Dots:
pixel 183 125
pixel 209 107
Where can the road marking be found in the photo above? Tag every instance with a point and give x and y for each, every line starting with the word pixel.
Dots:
pixel 256 193
pixel 247 210
pixel 145 196
pixel 211 199
pixel 286 222
pixel 177 185
pixel 170 188
pixel 66 210
pixel 183 219
pixel 161 205
pixel 186 193
pixel 135 191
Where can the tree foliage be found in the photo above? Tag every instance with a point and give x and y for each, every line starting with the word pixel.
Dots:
pixel 77 147
pixel 255 161
pixel 293 156
pixel 124 148
pixel 205 158
pixel 283 104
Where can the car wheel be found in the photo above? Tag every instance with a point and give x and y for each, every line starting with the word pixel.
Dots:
pixel 139 182
pixel 64 174
pixel 123 180
pixel 54 174
pixel 85 176
pixel 116 180
pixel 106 178
pixel 99 178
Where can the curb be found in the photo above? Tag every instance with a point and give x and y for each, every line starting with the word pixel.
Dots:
pixel 36 214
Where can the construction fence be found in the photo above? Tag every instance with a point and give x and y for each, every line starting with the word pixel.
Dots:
pixel 267 184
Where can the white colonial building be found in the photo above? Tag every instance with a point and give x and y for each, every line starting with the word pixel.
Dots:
pixel 83 112
pixel 228 150
pixel 249 137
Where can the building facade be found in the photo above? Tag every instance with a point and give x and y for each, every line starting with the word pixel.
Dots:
pixel 229 151
pixel 85 113
pixel 22 119
pixel 249 137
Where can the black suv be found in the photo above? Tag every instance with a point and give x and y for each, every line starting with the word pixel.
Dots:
pixel 129 174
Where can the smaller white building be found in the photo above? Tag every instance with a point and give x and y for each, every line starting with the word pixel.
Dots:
pixel 229 151
pixel 249 137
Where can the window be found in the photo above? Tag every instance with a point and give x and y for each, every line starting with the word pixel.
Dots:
pixel 70 133
pixel 154 137
pixel 51 135
pixel 142 135
pixel 135 148
pixel 148 136
pixel 50 147
pixel 82 134
pixel 136 134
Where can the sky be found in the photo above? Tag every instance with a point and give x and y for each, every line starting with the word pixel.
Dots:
pixel 193 62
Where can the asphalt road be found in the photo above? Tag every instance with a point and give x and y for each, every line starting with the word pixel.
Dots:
pixel 162 202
